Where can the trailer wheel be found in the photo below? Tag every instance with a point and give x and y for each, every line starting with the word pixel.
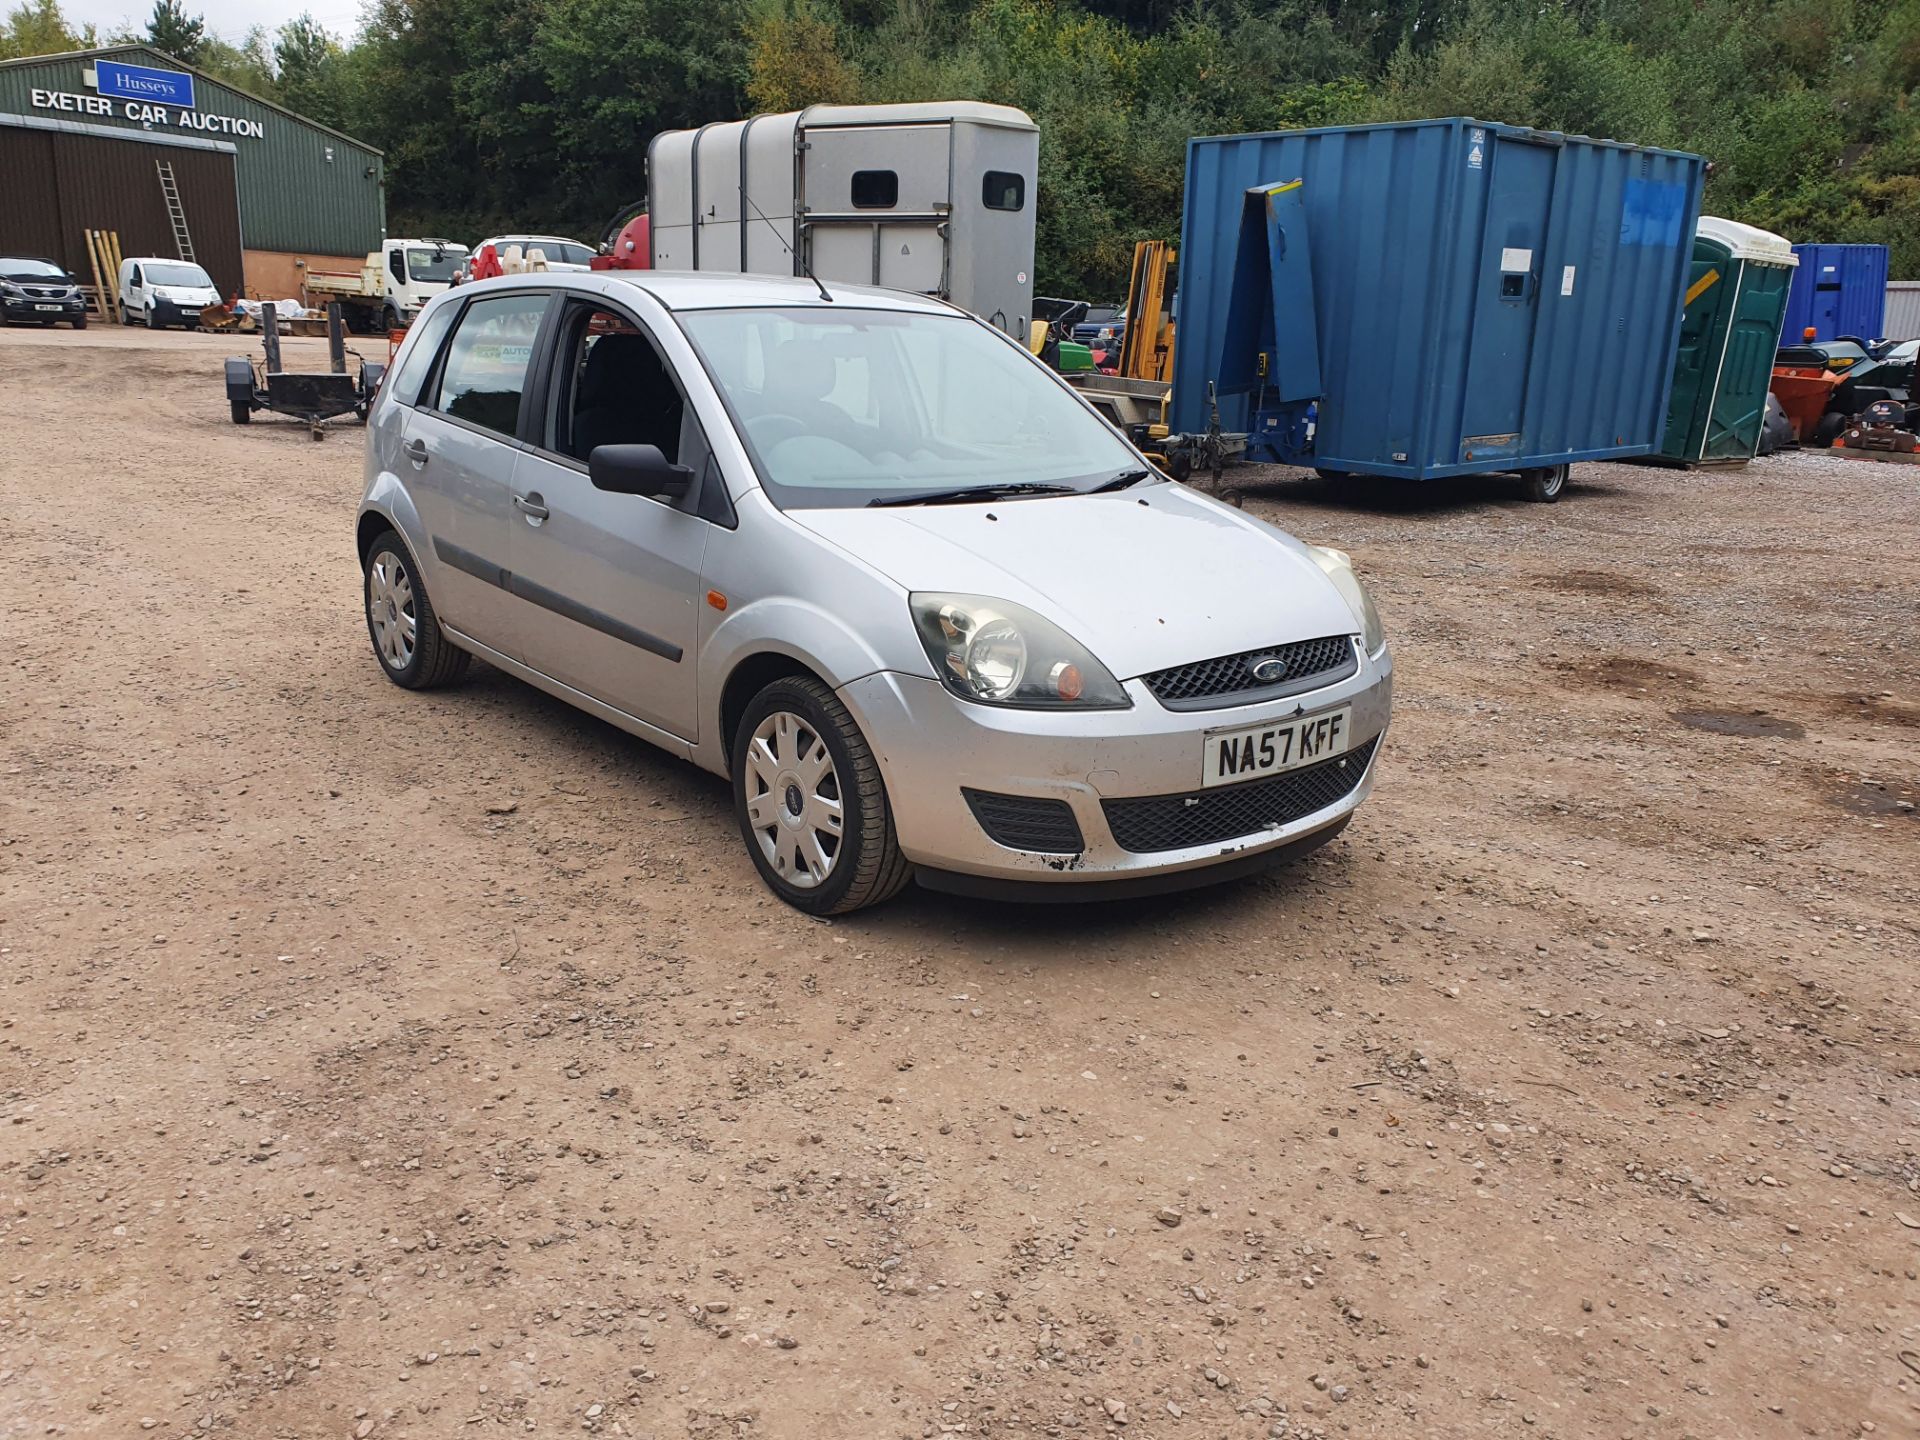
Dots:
pixel 1827 429
pixel 1546 484
pixel 242 411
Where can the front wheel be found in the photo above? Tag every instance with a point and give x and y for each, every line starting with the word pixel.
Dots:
pixel 810 801
pixel 407 639
pixel 151 322
pixel 80 322
pixel 1546 483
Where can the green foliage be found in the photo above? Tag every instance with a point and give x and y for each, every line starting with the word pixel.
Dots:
pixel 174 32
pixel 37 27
pixel 536 114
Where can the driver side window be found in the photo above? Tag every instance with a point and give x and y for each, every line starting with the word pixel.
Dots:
pixel 614 388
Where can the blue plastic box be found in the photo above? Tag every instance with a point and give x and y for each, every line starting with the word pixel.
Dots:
pixel 1485 297
pixel 1838 290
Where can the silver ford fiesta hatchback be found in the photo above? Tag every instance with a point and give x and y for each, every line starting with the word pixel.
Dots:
pixel 872 561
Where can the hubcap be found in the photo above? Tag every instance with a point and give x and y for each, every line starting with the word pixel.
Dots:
pixel 794 800
pixel 390 609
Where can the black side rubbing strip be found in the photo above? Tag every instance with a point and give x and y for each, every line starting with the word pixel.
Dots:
pixel 472 564
pixel 553 600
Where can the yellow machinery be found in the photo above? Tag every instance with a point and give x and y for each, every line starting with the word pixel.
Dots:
pixel 1147 351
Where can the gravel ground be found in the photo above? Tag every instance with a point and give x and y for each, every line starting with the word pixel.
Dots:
pixel 375 1063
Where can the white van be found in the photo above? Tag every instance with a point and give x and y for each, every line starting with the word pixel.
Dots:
pixel 159 292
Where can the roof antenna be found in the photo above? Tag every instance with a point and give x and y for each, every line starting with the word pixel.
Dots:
pixel 806 269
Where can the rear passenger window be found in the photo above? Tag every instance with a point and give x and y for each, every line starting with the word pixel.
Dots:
pixel 487 363
pixel 1003 190
pixel 875 189
pixel 428 333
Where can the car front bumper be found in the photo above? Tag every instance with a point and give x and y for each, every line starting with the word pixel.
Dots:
pixel 931 746
pixel 33 308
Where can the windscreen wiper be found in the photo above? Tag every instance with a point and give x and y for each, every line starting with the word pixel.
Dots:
pixel 974 492
pixel 1121 481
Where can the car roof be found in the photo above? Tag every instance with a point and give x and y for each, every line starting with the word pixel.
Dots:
pixel 43 259
pixel 688 290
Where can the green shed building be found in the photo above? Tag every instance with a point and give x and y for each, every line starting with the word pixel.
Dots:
pixel 128 139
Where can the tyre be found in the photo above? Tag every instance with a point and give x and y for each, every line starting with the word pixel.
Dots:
pixel 1334 475
pixel 1546 484
pixel 390 318
pixel 242 411
pixel 126 316
pixel 1828 429
pixel 152 323
pixel 407 639
pixel 810 801
pixel 80 322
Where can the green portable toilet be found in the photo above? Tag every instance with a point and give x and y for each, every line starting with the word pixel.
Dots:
pixel 1736 300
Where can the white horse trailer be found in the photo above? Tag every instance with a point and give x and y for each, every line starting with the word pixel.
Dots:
pixel 934 198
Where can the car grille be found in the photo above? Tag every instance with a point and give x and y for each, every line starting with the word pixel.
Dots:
pixel 1207 817
pixel 1027 822
pixel 1204 684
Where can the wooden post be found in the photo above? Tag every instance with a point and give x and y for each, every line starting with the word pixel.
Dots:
pixel 99 290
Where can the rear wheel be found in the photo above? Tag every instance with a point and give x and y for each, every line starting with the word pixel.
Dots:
pixel 810 801
pixel 1546 483
pixel 407 639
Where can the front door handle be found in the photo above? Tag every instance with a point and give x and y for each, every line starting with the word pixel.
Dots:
pixel 416 451
pixel 529 505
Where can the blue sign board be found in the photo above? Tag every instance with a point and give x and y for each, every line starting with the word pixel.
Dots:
pixel 139 82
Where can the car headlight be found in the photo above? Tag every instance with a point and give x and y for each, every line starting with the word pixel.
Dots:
pixel 998 653
pixel 1338 567
pixel 7 287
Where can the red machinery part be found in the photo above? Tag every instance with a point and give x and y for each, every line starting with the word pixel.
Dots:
pixel 632 248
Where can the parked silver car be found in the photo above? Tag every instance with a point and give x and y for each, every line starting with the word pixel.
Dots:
pixel 868 558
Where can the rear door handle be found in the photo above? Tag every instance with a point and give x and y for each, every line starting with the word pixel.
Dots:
pixel 529 505
pixel 416 451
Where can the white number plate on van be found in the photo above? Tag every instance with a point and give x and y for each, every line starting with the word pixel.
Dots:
pixel 1252 751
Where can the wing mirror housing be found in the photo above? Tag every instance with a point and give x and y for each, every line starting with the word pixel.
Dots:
pixel 637 470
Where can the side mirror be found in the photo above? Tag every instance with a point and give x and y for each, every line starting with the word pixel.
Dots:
pixel 637 470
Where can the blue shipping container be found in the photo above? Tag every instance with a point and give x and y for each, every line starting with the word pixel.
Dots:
pixel 1838 290
pixel 1486 297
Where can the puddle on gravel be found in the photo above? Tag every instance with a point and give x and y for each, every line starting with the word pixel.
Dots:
pixel 1877 798
pixel 1750 724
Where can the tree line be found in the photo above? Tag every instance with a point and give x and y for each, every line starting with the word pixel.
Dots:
pixel 535 114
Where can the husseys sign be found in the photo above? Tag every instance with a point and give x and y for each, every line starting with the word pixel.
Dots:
pixel 145 96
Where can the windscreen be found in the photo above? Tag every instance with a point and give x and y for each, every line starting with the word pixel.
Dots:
pixel 16 268
pixel 166 272
pixel 433 265
pixel 843 407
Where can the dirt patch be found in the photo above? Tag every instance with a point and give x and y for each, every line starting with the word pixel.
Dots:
pixel 1875 797
pixel 1631 673
pixel 1598 582
pixel 1874 709
pixel 1747 724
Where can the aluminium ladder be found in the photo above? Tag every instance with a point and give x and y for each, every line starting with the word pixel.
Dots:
pixel 176 213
